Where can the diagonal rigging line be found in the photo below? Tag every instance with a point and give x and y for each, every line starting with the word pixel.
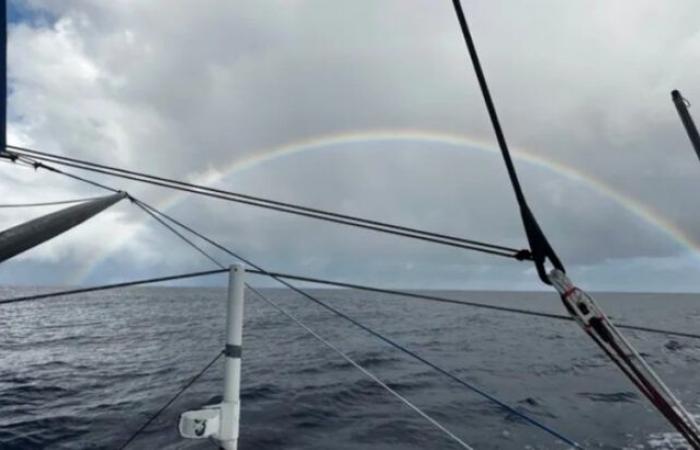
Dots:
pixel 167 404
pixel 376 334
pixel 308 329
pixel 177 233
pixel 285 207
pixel 539 245
pixel 313 333
pixel 440 299
pixel 385 339
pixel 264 200
pixel 359 367
pixel 39 165
pixel 593 321
pixel 345 356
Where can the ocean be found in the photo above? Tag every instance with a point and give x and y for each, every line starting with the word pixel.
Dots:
pixel 84 372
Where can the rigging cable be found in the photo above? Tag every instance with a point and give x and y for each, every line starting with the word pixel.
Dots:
pixel 167 404
pixel 39 165
pixel 177 233
pixel 104 287
pixel 376 334
pixel 359 367
pixel 340 284
pixel 579 304
pixel 539 246
pixel 314 213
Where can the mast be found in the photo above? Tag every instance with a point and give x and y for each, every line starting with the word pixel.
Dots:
pixel 682 107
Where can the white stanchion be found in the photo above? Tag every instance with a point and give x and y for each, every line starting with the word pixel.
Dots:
pixel 221 422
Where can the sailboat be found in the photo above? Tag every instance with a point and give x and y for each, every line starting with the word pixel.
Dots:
pixel 220 421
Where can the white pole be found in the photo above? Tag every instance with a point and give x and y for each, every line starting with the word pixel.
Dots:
pixel 231 405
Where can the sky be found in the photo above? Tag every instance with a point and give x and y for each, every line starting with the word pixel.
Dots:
pixel 368 108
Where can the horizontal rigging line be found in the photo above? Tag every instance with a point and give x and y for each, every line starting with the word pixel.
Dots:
pixel 105 287
pixel 358 287
pixel 516 254
pixel 59 202
pixel 425 236
pixel 439 299
pixel 259 201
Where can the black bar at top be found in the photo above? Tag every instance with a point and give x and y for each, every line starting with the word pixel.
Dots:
pixel 690 128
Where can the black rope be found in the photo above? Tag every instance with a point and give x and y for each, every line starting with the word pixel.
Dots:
pixel 290 208
pixel 170 402
pixel 539 246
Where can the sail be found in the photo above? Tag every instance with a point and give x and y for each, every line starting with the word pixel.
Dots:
pixel 22 237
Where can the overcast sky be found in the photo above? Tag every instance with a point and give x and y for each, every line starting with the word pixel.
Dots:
pixel 187 89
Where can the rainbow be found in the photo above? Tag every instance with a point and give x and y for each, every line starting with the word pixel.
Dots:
pixel 335 142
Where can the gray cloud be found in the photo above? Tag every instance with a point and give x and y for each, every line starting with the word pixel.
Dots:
pixel 191 88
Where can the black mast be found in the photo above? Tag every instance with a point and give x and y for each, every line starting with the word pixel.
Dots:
pixel 682 107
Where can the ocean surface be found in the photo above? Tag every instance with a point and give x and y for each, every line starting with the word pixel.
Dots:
pixel 84 372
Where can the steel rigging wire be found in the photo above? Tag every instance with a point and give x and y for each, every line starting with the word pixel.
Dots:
pixel 172 400
pixel 313 213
